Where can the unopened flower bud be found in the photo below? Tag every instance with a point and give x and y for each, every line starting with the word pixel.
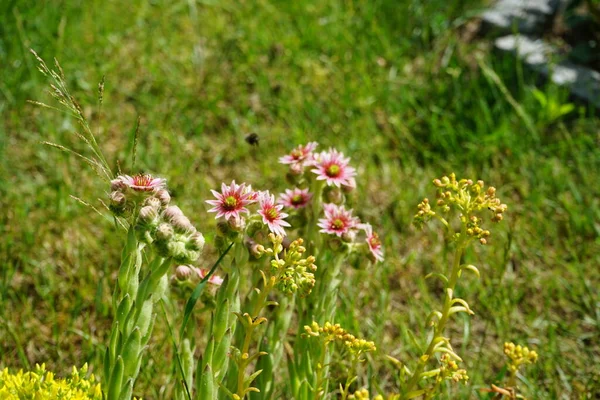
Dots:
pixel 171 212
pixel 177 249
pixel 182 224
pixel 237 224
pixel 117 199
pixel 163 196
pixel 223 228
pixel 183 272
pixel 164 232
pixel 152 202
pixel 148 214
pixel 196 242
pixel 117 184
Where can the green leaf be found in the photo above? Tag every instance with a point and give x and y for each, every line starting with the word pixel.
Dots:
pixel 191 303
pixel 116 379
pixel 206 389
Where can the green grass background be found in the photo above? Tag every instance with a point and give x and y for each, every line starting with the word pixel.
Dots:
pixel 399 86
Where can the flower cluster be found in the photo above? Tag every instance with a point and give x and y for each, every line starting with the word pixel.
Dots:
pixel 333 175
pixel 467 198
pixel 42 385
pixel 449 370
pixel 128 192
pixel 335 333
pixel 294 273
pixel 176 237
pixel 145 200
pixel 519 355
pixel 232 202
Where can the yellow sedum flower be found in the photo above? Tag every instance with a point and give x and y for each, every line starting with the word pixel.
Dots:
pixel 519 355
pixel 335 333
pixel 42 385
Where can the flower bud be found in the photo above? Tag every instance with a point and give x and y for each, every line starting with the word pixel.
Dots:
pixel 177 250
pixel 223 228
pixel 148 214
pixel 183 272
pixel 253 228
pixel 164 232
pixel 237 224
pixel 152 202
pixel 196 242
pixel 117 199
pixel 163 196
pixel 182 224
pixel 117 184
pixel 171 212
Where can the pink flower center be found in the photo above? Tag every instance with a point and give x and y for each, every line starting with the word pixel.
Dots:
pixel 337 224
pixel 142 180
pixel 230 203
pixel 374 241
pixel 297 199
pixel 333 171
pixel 296 154
pixel 271 214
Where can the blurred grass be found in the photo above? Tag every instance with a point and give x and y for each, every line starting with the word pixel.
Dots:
pixel 398 86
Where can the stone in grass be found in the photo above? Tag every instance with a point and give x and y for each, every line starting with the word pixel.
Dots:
pixel 583 82
pixel 527 16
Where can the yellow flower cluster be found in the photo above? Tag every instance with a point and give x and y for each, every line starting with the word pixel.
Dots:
pixel 519 355
pixel 295 274
pixel 42 385
pixel 449 370
pixel 335 333
pixel 466 197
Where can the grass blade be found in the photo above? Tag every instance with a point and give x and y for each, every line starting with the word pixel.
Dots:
pixel 191 303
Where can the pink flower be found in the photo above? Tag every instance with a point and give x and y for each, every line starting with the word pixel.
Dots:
pixel 332 167
pixel 300 157
pixel 338 220
pixel 271 213
pixel 214 279
pixel 297 198
pixel 373 241
pixel 232 200
pixel 140 183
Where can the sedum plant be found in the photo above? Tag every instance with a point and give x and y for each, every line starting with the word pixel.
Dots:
pixel 41 384
pixel 463 207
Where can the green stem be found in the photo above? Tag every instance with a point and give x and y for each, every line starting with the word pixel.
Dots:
pixel 258 307
pixel 320 372
pixel 441 325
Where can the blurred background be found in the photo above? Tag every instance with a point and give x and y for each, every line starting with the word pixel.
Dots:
pixel 408 89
